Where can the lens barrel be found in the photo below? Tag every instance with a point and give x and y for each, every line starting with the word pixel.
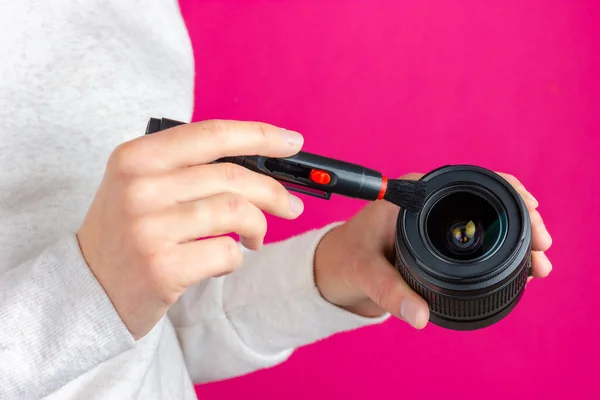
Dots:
pixel 468 251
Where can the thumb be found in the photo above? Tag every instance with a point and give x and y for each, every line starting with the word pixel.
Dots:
pixel 384 285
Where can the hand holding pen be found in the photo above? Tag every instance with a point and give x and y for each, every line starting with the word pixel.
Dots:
pixel 161 193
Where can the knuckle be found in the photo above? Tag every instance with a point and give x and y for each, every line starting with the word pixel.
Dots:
pixel 253 222
pixel 136 193
pixel 383 293
pixel 255 226
pixel 264 131
pixel 214 127
pixel 236 205
pixel 122 159
pixel 233 172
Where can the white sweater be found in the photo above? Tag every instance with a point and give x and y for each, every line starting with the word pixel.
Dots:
pixel 78 77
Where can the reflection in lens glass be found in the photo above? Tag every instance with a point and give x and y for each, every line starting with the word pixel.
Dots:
pixel 463 234
pixel 465 226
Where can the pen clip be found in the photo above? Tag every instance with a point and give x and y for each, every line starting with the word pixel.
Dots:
pixel 306 190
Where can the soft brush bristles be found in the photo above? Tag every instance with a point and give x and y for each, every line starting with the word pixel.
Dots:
pixel 407 194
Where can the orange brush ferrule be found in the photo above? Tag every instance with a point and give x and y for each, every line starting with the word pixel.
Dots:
pixel 384 181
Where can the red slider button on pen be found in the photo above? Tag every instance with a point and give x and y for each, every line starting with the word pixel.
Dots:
pixel 320 177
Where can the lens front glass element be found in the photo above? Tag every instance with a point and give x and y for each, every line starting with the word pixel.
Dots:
pixel 464 226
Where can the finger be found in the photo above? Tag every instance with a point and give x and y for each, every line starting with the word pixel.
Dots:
pixel 540 264
pixel 413 176
pixel 527 197
pixel 204 142
pixel 384 285
pixel 198 260
pixel 197 182
pixel 540 236
pixel 213 216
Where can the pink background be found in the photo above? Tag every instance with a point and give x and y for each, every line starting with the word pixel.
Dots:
pixel 407 86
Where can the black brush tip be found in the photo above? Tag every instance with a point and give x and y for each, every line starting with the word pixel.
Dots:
pixel 408 194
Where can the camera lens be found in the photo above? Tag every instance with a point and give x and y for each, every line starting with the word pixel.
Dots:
pixel 464 226
pixel 468 251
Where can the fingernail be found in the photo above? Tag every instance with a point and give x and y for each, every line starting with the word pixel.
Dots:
pixel 292 138
pixel 413 313
pixel 296 205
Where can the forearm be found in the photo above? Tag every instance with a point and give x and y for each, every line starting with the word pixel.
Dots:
pixel 255 317
pixel 274 302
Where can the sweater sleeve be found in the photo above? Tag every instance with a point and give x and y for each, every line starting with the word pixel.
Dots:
pixel 56 323
pixel 255 317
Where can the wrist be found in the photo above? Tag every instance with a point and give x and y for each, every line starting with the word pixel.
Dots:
pixel 333 264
